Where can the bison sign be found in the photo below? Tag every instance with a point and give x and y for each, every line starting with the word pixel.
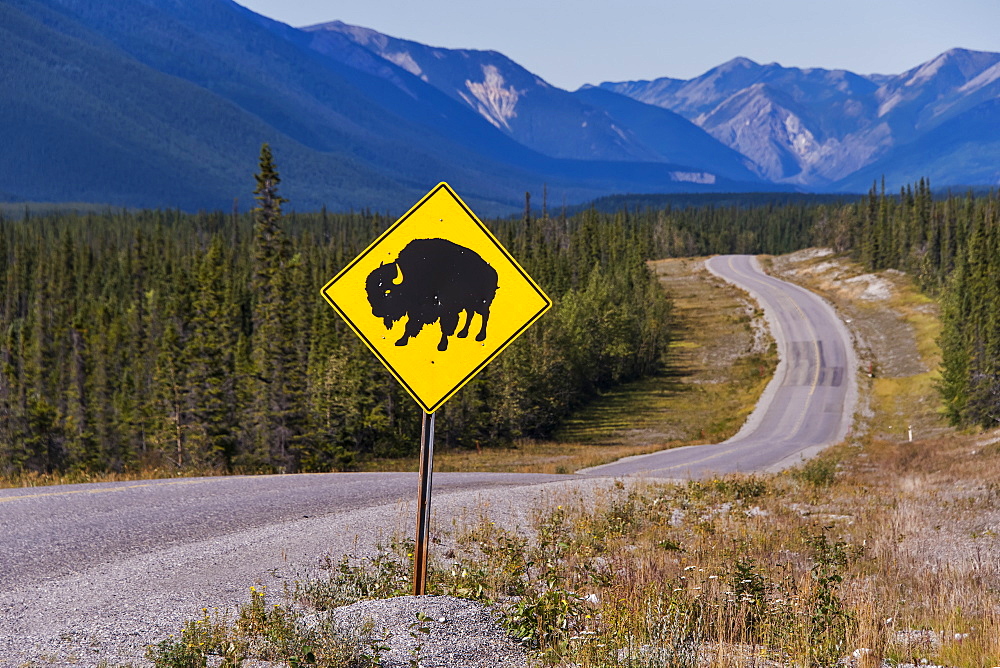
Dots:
pixel 433 280
pixel 436 297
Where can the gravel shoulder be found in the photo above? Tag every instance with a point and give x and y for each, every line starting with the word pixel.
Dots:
pixel 112 611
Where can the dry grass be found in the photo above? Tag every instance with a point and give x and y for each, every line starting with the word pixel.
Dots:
pixel 35 479
pixel 865 555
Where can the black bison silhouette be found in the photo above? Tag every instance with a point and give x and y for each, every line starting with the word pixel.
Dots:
pixel 433 280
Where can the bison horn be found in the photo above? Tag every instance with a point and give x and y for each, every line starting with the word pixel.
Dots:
pixel 399 275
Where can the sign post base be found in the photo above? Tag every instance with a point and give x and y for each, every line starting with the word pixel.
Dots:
pixel 423 505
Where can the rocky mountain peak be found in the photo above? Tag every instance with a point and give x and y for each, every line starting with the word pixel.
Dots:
pixel 813 126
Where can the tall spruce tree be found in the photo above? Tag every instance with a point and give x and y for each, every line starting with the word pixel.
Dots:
pixel 275 413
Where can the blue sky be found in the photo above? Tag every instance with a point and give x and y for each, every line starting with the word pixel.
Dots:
pixel 572 42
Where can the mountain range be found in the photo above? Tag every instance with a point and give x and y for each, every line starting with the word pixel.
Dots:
pixel 165 103
pixel 833 129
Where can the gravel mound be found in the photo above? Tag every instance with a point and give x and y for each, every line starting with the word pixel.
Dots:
pixel 461 633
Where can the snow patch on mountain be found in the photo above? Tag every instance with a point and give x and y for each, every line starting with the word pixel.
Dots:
pixel 496 102
pixel 618 131
pixel 704 178
pixel 984 79
pixel 928 71
pixel 798 137
pixel 889 104
pixel 406 61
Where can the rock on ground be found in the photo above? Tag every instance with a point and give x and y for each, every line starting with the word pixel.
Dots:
pixel 461 633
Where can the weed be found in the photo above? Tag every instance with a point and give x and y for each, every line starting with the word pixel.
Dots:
pixel 820 471
pixel 418 629
pixel 829 618
pixel 547 619
pixel 263 632
pixel 384 575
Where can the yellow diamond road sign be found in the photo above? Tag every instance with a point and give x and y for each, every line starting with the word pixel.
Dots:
pixel 436 297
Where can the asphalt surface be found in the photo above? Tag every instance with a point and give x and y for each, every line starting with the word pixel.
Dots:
pixel 52 532
pixel 98 572
pixel 808 404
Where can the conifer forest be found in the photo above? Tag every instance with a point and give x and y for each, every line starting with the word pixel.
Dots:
pixel 200 342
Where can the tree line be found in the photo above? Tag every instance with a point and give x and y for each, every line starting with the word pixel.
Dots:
pixel 139 339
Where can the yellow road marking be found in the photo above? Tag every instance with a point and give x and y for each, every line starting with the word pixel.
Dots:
pixel 815 341
pixel 102 490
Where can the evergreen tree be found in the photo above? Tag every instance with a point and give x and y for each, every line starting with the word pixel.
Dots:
pixel 211 372
pixel 275 416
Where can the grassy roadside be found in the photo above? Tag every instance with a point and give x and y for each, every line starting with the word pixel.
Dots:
pixel 34 479
pixel 881 551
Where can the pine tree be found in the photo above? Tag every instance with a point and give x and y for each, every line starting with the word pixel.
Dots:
pixel 272 414
pixel 211 373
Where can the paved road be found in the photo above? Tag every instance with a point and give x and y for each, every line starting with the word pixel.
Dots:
pixel 808 404
pixel 51 532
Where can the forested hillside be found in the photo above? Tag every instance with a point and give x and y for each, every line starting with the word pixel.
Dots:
pixel 200 342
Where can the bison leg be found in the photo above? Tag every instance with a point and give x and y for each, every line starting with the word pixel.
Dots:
pixel 412 329
pixel 449 322
pixel 468 321
pixel 481 336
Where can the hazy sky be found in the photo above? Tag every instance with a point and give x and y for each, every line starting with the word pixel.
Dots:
pixel 572 42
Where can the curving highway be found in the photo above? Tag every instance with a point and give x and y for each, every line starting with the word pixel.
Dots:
pixel 808 404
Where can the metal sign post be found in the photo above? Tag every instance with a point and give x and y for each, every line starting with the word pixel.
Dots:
pixel 423 505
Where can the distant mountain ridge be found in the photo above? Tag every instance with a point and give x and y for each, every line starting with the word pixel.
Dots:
pixel 166 103
pixel 819 128
pixel 542 117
